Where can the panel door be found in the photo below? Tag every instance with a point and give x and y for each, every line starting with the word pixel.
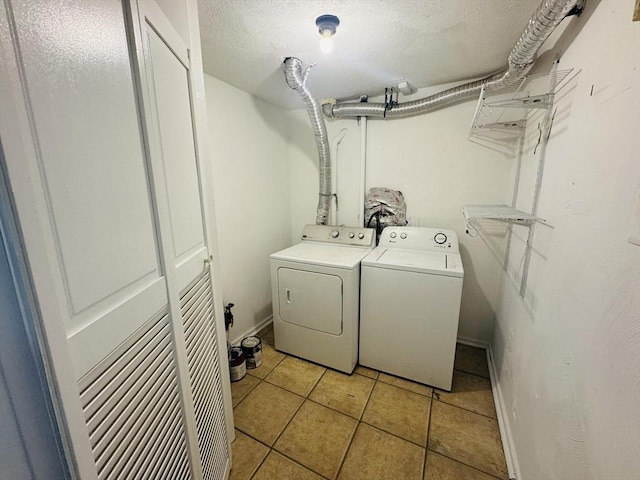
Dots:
pixel 171 133
pixel 165 73
pixel 102 162
pixel 76 161
pixel 310 299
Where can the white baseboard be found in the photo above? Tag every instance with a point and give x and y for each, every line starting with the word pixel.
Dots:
pixel 252 331
pixel 472 342
pixel 508 445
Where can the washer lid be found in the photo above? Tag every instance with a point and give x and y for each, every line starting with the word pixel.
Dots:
pixel 436 263
pixel 329 255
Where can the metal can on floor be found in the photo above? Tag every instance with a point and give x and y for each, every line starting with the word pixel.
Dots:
pixel 252 348
pixel 237 364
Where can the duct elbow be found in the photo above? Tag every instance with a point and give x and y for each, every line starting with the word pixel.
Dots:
pixel 293 72
pixel 327 110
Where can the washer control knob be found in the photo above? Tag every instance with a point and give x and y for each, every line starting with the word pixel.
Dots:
pixel 335 233
pixel 403 236
pixel 361 235
pixel 440 238
pixel 393 234
pixel 351 234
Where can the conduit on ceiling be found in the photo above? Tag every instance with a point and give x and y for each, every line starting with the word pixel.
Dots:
pixel 541 24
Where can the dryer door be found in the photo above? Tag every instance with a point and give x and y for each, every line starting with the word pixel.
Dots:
pixel 311 300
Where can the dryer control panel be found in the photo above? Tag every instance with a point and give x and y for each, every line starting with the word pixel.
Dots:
pixel 354 236
pixel 420 238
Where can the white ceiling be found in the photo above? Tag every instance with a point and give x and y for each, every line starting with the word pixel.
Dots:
pixel 378 43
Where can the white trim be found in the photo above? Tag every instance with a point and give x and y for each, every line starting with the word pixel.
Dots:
pixel 508 444
pixel 205 165
pixel 157 20
pixel 252 331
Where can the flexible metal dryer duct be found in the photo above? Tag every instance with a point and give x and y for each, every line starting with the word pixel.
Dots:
pixel 546 18
pixel 297 80
pixel 543 22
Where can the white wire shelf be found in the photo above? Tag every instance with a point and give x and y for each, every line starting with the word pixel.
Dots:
pixel 502 113
pixel 502 213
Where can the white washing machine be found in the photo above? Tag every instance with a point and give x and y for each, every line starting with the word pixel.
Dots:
pixel 410 304
pixel 316 294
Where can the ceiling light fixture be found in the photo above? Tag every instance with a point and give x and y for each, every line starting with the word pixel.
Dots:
pixel 327 25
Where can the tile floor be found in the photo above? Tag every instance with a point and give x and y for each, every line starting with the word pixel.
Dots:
pixel 298 420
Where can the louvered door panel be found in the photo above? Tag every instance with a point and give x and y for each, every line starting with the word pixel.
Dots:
pixel 204 372
pixel 132 407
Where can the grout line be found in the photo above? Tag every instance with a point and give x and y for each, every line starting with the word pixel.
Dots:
pixel 297 462
pixel 248 393
pixel 290 420
pixel 465 464
pixel 317 383
pixel 260 464
pixel 393 434
pixel 471 373
pixel 355 430
pixel 467 410
pixel 406 389
pixel 271 447
pixel 426 443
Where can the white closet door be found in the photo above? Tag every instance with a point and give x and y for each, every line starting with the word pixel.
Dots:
pixel 95 236
pixel 90 173
pixel 165 67
pixel 171 133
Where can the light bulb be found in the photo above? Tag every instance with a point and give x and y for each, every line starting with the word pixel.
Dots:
pixel 326 44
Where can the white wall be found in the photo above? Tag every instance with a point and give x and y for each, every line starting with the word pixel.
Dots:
pixel 251 191
pixel 568 353
pixel 438 170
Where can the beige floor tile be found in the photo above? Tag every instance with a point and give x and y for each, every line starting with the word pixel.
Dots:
pixel 265 412
pixel 266 335
pixel 470 392
pixel 247 455
pixel 346 393
pixel 471 360
pixel 270 358
pixel 277 467
pixel 442 468
pixel 375 454
pixel 241 388
pixel 406 384
pixel 367 372
pixel 317 438
pixel 398 411
pixel 296 375
pixel 467 437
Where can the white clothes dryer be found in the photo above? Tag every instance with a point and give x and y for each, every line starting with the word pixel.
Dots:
pixel 316 294
pixel 410 304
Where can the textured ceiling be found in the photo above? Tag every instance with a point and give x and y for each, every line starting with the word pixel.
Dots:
pixel 378 43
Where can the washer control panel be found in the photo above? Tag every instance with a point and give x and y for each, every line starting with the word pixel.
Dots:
pixel 420 238
pixel 354 236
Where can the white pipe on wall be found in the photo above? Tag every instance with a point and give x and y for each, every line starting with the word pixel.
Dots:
pixel 363 167
pixel 333 212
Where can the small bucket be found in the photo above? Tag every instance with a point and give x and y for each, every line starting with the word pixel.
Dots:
pixel 237 364
pixel 252 348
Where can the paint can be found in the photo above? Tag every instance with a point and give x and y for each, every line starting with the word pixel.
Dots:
pixel 237 364
pixel 252 348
